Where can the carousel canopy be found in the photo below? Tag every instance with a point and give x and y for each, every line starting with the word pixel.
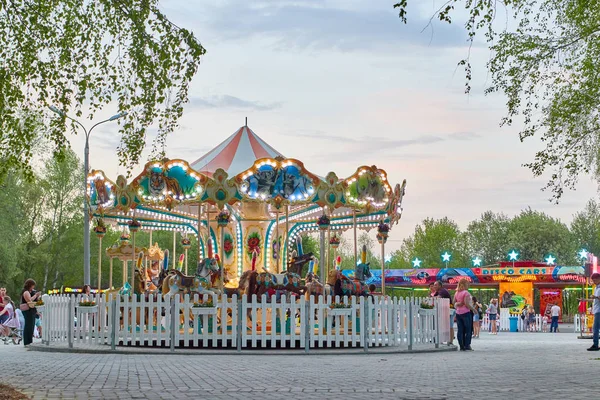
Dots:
pixel 235 154
pixel 262 190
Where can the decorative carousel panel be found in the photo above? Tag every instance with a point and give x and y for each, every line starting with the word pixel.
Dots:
pixel 219 190
pixel 330 192
pixel 100 190
pixel 253 245
pixel 394 208
pixel 126 198
pixel 169 183
pixel 368 188
pixel 229 248
pixel 278 181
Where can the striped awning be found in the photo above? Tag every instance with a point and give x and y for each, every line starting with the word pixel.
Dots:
pixel 236 154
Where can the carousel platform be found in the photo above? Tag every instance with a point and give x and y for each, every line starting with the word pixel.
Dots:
pixel 139 350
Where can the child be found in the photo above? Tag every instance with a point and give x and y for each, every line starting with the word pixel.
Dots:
pixel 545 324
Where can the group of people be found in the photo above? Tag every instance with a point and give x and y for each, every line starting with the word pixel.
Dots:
pixel 24 317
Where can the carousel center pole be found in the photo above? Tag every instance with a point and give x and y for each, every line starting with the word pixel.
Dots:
pixel 355 238
pixel 199 227
pixel 277 242
pixel 133 262
pixel 174 249
pixel 328 250
pixel 208 230
pixel 99 264
pixel 222 257
pixel 287 232
pixel 383 267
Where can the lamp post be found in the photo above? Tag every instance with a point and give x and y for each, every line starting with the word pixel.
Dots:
pixel 446 258
pixel 86 220
pixel 513 256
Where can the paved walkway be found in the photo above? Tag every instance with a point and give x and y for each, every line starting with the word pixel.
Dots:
pixel 518 365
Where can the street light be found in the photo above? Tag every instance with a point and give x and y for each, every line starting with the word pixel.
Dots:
pixel 86 220
pixel 513 256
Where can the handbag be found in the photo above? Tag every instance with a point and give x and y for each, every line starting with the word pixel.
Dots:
pixel 24 307
pixel 31 304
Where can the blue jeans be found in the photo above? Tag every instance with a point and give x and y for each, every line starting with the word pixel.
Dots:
pixel 554 324
pixel 465 329
pixel 596 328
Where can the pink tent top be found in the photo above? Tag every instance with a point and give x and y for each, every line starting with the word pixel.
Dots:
pixel 236 154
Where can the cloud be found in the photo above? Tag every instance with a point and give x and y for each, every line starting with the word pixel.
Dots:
pixel 227 101
pixel 464 136
pixel 371 144
pixel 317 25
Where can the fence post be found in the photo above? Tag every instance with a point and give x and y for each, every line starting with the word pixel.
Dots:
pixel 173 322
pixel 45 317
pixel 115 320
pixel 307 327
pixel 365 309
pixel 238 338
pixel 410 324
pixel 436 322
pixel 70 322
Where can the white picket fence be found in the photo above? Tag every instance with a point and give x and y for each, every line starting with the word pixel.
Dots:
pixel 505 322
pixel 583 321
pixel 269 323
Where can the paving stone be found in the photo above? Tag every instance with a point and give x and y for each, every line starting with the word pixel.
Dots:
pixel 518 366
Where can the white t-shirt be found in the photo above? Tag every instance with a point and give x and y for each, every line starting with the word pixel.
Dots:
pixel 596 306
pixel 555 311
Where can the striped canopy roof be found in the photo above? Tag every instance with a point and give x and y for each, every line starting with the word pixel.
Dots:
pixel 236 154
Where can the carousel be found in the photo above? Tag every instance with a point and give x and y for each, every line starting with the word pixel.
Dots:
pixel 248 205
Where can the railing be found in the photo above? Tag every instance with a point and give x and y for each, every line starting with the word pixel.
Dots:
pixel 238 323
pixel 583 324
pixel 522 326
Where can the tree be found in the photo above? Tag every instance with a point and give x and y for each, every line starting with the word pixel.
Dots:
pixel 487 237
pixel 78 55
pixel 61 183
pixel 535 235
pixel 585 227
pixel 547 69
pixel 431 239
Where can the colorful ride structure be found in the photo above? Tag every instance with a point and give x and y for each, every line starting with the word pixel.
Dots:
pixel 246 203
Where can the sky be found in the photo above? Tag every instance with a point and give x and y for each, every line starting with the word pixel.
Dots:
pixel 340 84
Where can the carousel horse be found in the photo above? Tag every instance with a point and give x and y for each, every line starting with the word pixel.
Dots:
pixel 314 287
pixel 343 286
pixel 287 282
pixel 202 282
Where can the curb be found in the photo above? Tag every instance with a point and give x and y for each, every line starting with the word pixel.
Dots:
pixel 273 352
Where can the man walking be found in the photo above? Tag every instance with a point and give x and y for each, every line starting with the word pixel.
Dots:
pixel 554 312
pixel 596 310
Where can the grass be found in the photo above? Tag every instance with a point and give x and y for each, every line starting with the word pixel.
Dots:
pixel 10 393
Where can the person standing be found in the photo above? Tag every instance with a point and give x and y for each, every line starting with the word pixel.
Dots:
pixel 477 315
pixel 531 319
pixel 493 314
pixel 442 292
pixel 554 313
pixel 28 298
pixel 3 316
pixel 464 314
pixel 596 311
